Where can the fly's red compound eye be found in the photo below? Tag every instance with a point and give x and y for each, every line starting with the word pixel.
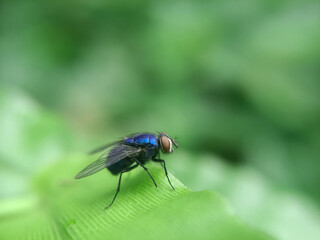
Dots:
pixel 166 144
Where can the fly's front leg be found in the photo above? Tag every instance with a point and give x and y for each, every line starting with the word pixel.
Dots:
pixel 165 169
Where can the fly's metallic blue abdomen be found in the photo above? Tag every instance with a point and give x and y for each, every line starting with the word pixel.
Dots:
pixel 143 139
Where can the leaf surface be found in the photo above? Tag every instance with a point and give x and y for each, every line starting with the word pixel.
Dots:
pixel 74 209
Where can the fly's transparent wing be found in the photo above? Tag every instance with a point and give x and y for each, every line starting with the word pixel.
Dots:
pixel 116 154
pixel 99 149
pixel 120 152
pixel 92 168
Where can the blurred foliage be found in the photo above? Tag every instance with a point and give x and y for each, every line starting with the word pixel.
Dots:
pixel 236 82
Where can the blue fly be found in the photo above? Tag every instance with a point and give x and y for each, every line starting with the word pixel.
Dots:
pixel 132 151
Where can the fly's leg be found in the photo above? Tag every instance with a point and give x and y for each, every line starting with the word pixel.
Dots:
pixel 146 169
pixel 165 169
pixel 119 183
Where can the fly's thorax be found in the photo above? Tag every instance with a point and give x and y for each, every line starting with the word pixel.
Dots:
pixel 143 139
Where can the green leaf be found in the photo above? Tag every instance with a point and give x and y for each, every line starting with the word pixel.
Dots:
pixel 64 208
pixel 38 203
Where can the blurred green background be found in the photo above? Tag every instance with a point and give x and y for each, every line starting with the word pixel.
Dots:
pixel 236 82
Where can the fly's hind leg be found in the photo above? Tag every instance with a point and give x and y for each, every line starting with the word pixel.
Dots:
pixel 119 183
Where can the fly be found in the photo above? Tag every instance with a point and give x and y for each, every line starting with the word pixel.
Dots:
pixel 127 154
